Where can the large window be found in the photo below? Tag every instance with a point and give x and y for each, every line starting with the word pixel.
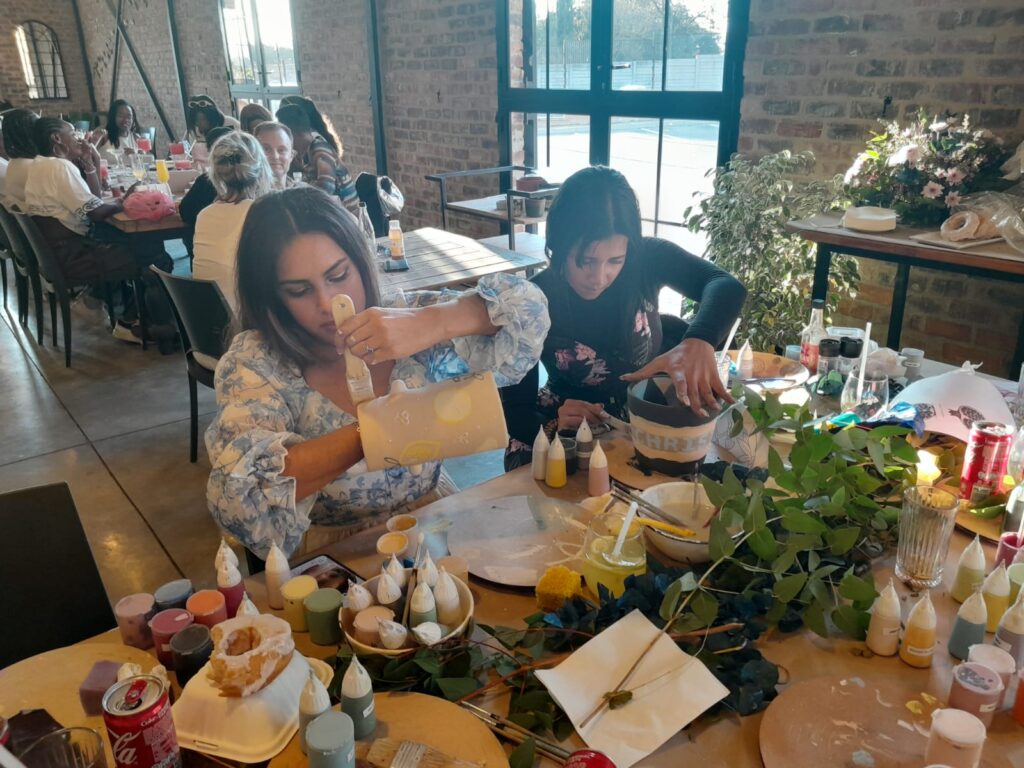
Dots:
pixel 262 61
pixel 40 61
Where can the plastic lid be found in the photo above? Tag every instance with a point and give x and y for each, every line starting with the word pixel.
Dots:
pixel 170 621
pixel 192 639
pixel 958 727
pixel 205 601
pixel 330 732
pixel 173 590
pixel 323 600
pixel 912 353
pixel 851 347
pixel 132 605
pixel 298 588
pixel 828 347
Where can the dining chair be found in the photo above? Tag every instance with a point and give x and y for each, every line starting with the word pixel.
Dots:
pixel 204 323
pixel 5 256
pixel 26 271
pixel 52 600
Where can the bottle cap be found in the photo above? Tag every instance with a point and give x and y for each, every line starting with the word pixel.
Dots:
pixel 910 353
pixel 817 304
pixel 394 224
pixel 851 347
pixel 828 347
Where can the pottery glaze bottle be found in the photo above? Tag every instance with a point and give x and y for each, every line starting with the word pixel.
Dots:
pixel 446 598
pixel 969 627
pixel 396 571
pixel 313 702
pixel 357 699
pixel 584 444
pixel 224 552
pixel 598 481
pixel 1010 632
pixel 229 584
pixel 423 607
pixel 996 591
pixel 541 445
pixel 919 636
pixel 970 571
pixel 884 630
pixel 428 571
pixel 389 594
pixel 555 472
pixel 247 607
pixel 277 573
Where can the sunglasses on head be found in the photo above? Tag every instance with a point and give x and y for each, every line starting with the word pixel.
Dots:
pixel 199 103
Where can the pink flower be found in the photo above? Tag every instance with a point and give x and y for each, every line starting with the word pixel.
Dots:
pixel 931 190
pixel 953 198
pixel 954 176
pixel 641 324
pixel 562 359
pixel 584 353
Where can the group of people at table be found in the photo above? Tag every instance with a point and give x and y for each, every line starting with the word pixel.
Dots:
pixel 284 446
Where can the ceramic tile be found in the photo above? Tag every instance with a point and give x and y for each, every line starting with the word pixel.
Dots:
pixel 129 556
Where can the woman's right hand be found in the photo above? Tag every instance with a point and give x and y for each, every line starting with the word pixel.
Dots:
pixel 571 413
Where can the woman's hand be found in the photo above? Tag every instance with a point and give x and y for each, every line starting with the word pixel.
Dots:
pixel 378 334
pixel 98 137
pixel 571 413
pixel 694 373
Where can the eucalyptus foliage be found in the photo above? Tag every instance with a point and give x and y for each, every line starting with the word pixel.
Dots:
pixel 744 220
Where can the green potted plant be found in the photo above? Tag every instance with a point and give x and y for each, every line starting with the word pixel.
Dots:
pixel 745 224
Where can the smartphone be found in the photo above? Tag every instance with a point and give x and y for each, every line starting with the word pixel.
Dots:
pixel 328 572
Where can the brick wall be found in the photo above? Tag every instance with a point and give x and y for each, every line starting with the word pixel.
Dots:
pixel 58 15
pixel 816 75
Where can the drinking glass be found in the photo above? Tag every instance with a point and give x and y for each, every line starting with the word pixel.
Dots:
pixel 144 144
pixel 926 523
pixel 67 748
pixel 872 400
pixel 601 565
pixel 139 166
pixel 162 174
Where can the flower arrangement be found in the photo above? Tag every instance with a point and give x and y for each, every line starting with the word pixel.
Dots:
pixel 923 169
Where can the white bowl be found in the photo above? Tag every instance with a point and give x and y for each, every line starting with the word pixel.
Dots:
pixel 464 627
pixel 676 499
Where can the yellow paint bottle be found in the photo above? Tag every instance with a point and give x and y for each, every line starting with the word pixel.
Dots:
pixel 996 592
pixel 919 636
pixel 555 475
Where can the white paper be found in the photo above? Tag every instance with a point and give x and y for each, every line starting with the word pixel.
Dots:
pixel 656 713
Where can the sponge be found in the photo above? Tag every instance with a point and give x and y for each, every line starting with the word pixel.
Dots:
pixel 102 675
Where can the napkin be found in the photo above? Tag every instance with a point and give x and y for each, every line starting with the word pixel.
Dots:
pixel 657 712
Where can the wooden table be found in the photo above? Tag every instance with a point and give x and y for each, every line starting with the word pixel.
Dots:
pixel 438 259
pixel 169 227
pixel 998 262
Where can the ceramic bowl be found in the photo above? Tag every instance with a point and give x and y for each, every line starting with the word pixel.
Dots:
pixel 676 499
pixel 464 627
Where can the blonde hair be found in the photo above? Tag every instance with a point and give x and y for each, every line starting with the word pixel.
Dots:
pixel 238 168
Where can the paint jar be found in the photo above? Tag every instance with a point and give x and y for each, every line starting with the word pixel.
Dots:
pixel 133 613
pixel 849 353
pixel 294 593
pixel 191 648
pixel 322 609
pixel 996 659
pixel 173 594
pixel 569 444
pixel 164 626
pixel 828 356
pixel 207 607
pixel 1010 544
pixel 330 741
pixel 976 689
pixel 955 740
pixel 365 625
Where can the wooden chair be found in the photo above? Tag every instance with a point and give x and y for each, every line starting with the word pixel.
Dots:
pixel 54 600
pixel 204 323
pixel 26 271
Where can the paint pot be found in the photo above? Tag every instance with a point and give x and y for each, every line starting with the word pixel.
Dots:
pixel 572 462
pixel 919 637
pixel 133 613
pixel 330 741
pixel 365 624
pixel 294 593
pixel 970 571
pixel 884 630
pixel 207 607
pixel 539 459
pixel 164 626
pixel 322 608
pixel 191 649
pixel 1009 545
pixel 996 659
pixel 277 572
pixel 996 591
pixel 173 594
pixel 969 627
pixel 357 699
pixel 1010 633
pixel 976 689
pixel 407 525
pixel 955 740
pixel 229 584
pixel 393 544
pixel 313 702
pixel 598 480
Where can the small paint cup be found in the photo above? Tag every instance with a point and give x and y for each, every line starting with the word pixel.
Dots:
pixel 207 607
pixel 365 625
pixel 295 592
pixel 996 659
pixel 571 460
pixel 173 594
pixel 322 608
pixel 191 649
pixel 1009 545
pixel 164 626
pixel 1016 575
pixel 976 689
pixel 456 566
pixel 133 613
pixel 393 543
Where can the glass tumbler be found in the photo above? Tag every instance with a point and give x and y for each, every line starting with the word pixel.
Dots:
pixel 67 748
pixel 926 523
pixel 600 563
pixel 871 400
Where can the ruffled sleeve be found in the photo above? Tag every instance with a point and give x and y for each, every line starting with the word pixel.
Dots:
pixel 247 443
pixel 520 311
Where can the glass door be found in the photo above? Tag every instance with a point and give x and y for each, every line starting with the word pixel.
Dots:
pixel 260 47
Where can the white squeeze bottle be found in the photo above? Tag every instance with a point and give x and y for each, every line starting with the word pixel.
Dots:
pixel 277 573
pixel 357 699
pixel 884 629
pixel 745 361
pixel 313 702
pixel 540 454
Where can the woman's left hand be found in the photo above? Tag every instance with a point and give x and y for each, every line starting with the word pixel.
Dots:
pixel 694 373
pixel 378 334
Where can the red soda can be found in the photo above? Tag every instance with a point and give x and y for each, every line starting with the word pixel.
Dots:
pixel 988 450
pixel 137 713
pixel 589 758
pixel 5 732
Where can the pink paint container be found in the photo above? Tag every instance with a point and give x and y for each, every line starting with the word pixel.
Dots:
pixel 1009 545
pixel 133 613
pixel 164 626
pixel 976 689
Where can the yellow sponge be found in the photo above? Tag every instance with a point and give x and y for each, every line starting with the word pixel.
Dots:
pixel 557 585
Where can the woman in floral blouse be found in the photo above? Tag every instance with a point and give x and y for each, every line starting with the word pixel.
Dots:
pixel 602 287
pixel 285 445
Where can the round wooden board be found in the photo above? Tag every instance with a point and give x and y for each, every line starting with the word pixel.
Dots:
pixel 989 530
pixel 51 680
pixel 513 540
pixel 424 719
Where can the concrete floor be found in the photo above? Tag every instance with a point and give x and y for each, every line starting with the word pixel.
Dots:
pixel 115 428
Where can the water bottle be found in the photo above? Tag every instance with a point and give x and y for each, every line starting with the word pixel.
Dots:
pixel 367 226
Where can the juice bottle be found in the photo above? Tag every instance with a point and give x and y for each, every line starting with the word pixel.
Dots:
pixel 396 240
pixel 919 636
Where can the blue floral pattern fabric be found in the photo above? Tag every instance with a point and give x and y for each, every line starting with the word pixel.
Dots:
pixel 265 406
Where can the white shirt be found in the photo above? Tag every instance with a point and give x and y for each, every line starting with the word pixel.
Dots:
pixel 56 188
pixel 3 175
pixel 218 229
pixel 14 182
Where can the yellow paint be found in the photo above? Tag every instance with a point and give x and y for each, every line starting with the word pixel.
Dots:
pixel 918 646
pixel 996 605
pixel 915 706
pixel 929 699
pixel 555 474
pixel 420 451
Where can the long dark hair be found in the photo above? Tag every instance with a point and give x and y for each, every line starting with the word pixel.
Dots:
pixel 113 132
pixel 205 105
pixel 301 114
pixel 272 223
pixel 253 113
pixel 19 140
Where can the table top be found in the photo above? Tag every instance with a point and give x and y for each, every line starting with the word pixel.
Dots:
pixel 438 259
pixel 487 207
pixel 826 229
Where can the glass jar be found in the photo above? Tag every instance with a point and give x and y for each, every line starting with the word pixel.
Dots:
pixel 601 565
pixel 828 356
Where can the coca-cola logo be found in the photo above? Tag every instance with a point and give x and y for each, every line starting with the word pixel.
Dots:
pixel 124 751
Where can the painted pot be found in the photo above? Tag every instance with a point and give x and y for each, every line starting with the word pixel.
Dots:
pixel 668 437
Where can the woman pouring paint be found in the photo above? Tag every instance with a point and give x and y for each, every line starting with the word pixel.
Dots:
pixel 602 288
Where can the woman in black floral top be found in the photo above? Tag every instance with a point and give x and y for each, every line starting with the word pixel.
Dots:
pixel 602 287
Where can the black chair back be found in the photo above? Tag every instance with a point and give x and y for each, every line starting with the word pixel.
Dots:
pixel 52 593
pixel 21 249
pixel 203 315
pixel 366 188
pixel 49 267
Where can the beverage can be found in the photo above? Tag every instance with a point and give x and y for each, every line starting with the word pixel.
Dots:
pixel 137 713
pixel 5 732
pixel 988 449
pixel 589 758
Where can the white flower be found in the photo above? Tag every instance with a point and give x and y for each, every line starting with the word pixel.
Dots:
pixel 909 153
pixel 953 198
pixel 854 169
pixel 931 190
pixel 940 125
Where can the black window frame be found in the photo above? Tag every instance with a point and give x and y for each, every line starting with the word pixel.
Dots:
pixel 49 90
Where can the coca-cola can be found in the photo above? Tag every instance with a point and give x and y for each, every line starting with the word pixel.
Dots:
pixel 988 449
pixel 589 758
pixel 5 732
pixel 137 713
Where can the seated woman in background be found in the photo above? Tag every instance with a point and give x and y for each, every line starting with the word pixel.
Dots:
pixel 284 447
pixel 276 140
pixel 199 195
pixel 122 129
pixel 252 115
pixel 602 287
pixel 318 150
pixel 20 146
pixel 240 174
pixel 204 115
